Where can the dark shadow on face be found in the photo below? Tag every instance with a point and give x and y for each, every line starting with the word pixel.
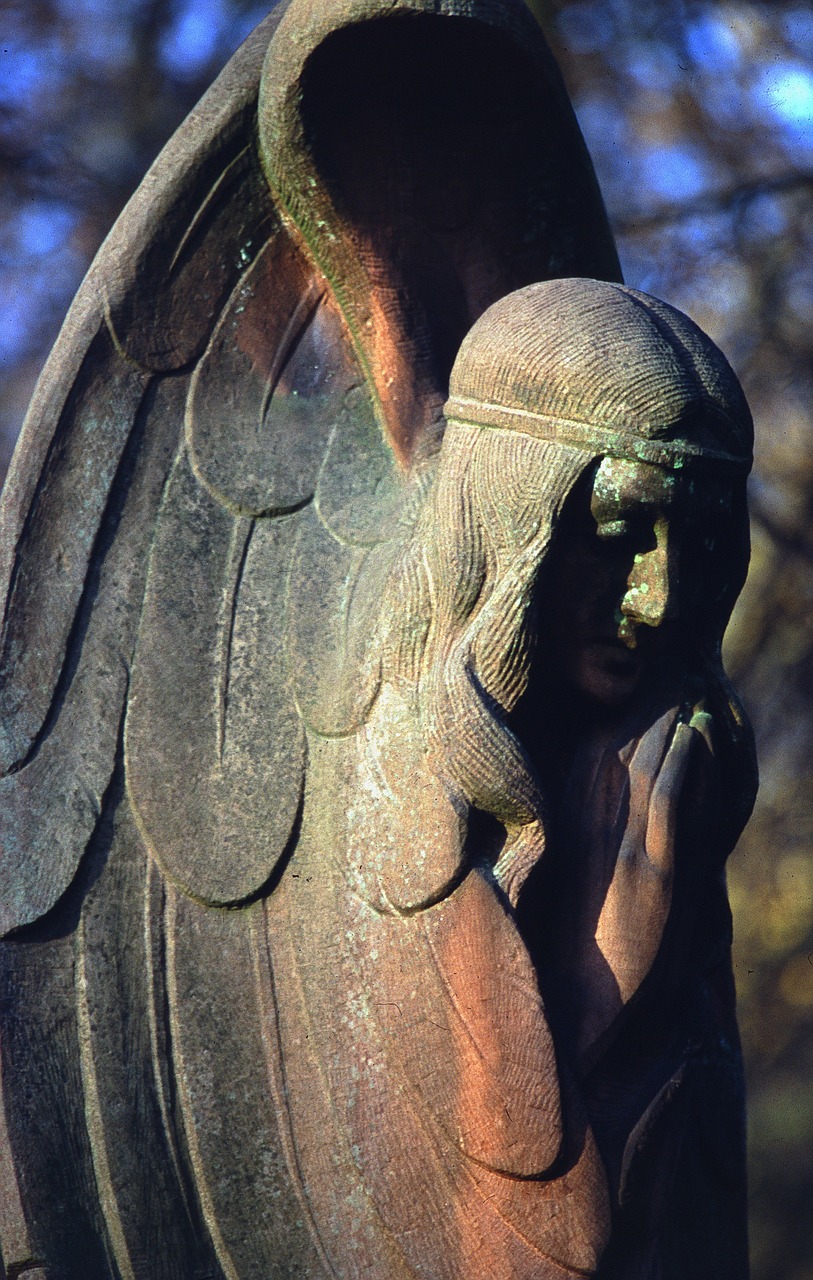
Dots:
pixel 630 590
pixel 612 599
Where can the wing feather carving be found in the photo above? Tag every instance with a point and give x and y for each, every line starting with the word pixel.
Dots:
pixel 215 805
pixel 260 453
pixel 52 801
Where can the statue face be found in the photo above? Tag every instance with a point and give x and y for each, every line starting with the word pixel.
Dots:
pixel 621 586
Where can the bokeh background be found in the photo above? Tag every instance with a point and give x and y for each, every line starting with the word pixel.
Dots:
pixel 699 117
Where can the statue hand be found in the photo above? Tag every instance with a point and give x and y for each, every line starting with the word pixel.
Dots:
pixel 635 910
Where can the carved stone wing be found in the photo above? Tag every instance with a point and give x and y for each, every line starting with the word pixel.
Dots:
pixel 224 460
pixel 231 391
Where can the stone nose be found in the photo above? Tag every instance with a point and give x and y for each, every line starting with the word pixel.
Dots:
pixel 650 597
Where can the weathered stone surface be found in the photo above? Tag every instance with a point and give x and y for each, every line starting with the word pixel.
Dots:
pixel 369 768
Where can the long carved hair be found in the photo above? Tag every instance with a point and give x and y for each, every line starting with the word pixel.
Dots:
pixel 460 635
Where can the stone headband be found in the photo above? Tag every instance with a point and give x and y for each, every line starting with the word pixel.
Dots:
pixel 611 441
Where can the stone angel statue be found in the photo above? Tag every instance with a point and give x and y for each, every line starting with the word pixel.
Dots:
pixel 368 764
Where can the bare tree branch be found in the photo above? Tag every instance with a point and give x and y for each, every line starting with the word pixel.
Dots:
pixel 713 202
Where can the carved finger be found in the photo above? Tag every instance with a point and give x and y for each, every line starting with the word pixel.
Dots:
pixel 644 768
pixel 663 806
pixel 701 721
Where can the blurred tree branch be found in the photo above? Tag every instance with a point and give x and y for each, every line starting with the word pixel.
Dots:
pixel 730 200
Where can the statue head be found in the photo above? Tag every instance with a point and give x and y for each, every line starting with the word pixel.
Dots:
pixel 651 547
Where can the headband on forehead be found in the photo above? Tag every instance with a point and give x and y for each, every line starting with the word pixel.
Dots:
pixel 606 369
pixel 609 441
